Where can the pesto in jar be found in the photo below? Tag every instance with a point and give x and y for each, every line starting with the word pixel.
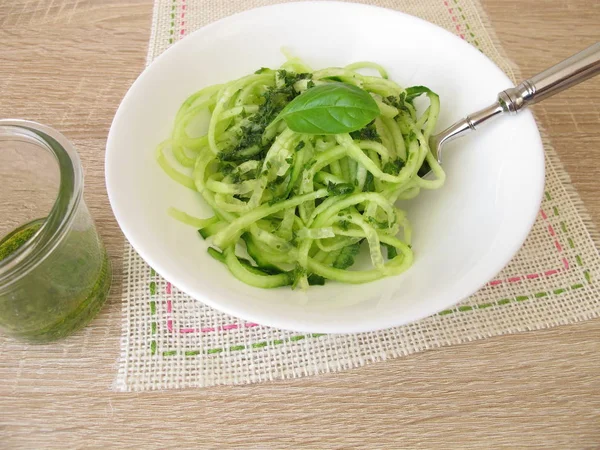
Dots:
pixel 18 238
pixel 62 293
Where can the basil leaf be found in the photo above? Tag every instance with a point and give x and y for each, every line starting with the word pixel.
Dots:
pixel 330 108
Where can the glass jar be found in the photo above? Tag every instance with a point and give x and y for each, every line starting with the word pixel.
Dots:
pixel 54 272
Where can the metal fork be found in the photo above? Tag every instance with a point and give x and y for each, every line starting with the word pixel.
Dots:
pixel 563 75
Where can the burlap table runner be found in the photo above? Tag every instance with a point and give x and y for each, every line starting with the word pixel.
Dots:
pixel 170 340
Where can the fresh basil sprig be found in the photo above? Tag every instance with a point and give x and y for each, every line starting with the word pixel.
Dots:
pixel 330 108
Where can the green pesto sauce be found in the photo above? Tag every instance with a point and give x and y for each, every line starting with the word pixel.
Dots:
pixel 17 238
pixel 62 294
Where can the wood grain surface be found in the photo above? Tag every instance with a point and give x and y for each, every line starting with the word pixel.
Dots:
pixel 68 63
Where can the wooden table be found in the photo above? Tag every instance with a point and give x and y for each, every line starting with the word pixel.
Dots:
pixel 68 63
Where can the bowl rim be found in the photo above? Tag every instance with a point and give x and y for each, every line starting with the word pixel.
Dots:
pixel 290 323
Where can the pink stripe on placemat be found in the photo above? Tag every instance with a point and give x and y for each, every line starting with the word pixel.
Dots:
pixel 455 20
pixel 182 23
pixel 547 273
pixel 231 326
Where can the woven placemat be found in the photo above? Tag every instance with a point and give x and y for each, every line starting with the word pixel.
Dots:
pixel 170 340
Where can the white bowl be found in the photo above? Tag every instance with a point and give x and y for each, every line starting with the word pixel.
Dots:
pixel 464 233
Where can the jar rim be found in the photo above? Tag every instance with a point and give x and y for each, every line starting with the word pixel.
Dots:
pixel 58 221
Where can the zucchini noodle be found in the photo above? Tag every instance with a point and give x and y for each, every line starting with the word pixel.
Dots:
pixel 301 205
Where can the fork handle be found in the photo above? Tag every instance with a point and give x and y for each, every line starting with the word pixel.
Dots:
pixel 563 75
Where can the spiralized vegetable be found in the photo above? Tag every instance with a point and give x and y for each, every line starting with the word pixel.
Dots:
pixel 300 204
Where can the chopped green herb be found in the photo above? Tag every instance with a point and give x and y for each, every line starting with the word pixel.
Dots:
pixel 398 102
pixel 368 133
pixel 378 223
pixel 315 280
pixel 369 183
pixel 340 188
pixel 291 78
pixel 391 251
pixel 309 164
pixel 344 225
pixel 393 167
pixel 346 257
